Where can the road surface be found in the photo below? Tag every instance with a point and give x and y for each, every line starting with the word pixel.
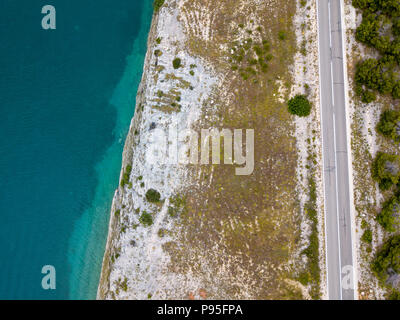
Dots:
pixel 338 222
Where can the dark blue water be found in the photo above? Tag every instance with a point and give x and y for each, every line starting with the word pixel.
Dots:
pixel 66 100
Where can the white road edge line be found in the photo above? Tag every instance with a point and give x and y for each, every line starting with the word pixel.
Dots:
pixel 329 19
pixel 337 206
pixel 349 152
pixel 332 89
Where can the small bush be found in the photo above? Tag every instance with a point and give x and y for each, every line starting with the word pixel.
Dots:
pixel 126 175
pixel 300 106
pixel 157 4
pixel 177 63
pixel 146 219
pixel 367 236
pixel 177 205
pixel 394 295
pixel 387 260
pixel 386 170
pixel 161 232
pixel 153 196
pixel 389 125
pixel 389 217
pixel 304 278
pixel 282 35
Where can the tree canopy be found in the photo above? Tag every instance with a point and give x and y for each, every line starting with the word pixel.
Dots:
pixel 389 125
pixel 387 261
pixel 379 29
pixel 389 217
pixel 386 170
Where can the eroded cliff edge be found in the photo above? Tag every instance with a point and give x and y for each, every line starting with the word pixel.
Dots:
pixel 213 234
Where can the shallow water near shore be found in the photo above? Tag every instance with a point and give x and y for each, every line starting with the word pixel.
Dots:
pixel 67 97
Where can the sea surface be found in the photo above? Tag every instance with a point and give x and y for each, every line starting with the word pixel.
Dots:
pixel 66 100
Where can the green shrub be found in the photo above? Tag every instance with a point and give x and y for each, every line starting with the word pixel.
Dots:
pixel 312 251
pixel 300 106
pixel 364 224
pixel 394 295
pixel 177 63
pixel 146 219
pixel 161 232
pixel 177 205
pixel 153 196
pixel 126 175
pixel 367 236
pixel 389 125
pixel 386 170
pixel 379 29
pixel 304 278
pixel 389 217
pixel 282 35
pixel 367 96
pixel 388 259
pixel 157 4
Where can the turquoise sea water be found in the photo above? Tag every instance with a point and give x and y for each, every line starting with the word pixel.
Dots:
pixel 66 99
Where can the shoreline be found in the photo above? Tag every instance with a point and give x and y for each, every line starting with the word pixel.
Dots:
pixel 104 281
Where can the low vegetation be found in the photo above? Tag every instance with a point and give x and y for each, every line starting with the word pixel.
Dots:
pixel 300 106
pixel 146 219
pixel 177 205
pixel 126 176
pixel 387 261
pixel 367 236
pixel 313 276
pixel 249 57
pixel 157 4
pixel 386 170
pixel 153 196
pixel 389 125
pixel 177 63
pixel 380 30
pixel 389 217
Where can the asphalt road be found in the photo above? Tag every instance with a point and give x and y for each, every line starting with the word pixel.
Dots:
pixel 339 250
